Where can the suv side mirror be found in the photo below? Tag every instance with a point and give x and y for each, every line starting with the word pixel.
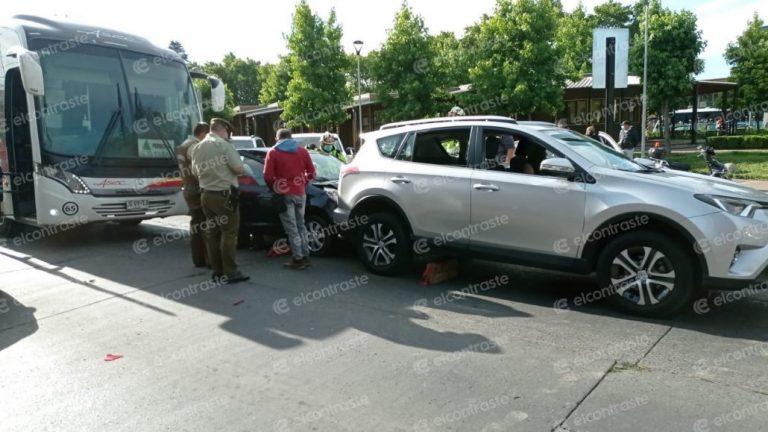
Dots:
pixel 30 69
pixel 218 94
pixel 558 167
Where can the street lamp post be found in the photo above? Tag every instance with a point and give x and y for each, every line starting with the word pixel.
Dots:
pixel 358 48
pixel 643 125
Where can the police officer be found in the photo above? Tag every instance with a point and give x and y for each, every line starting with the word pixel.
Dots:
pixel 217 164
pixel 192 194
pixel 328 147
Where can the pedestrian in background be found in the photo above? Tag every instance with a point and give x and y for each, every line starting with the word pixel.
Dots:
pixel 593 132
pixel 287 170
pixel 192 194
pixel 628 139
pixel 217 164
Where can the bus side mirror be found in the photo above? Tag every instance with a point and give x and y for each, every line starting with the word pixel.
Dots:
pixel 31 71
pixel 217 94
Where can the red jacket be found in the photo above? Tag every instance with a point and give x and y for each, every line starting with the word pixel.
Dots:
pixel 288 168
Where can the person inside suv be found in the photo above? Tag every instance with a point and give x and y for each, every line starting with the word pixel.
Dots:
pixel 528 158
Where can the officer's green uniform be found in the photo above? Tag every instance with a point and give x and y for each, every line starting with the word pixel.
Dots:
pixel 193 199
pixel 213 162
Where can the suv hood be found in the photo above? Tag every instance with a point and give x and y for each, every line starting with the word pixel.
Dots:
pixel 690 182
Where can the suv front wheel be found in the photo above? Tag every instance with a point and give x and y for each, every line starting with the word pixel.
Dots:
pixel 649 274
pixel 384 244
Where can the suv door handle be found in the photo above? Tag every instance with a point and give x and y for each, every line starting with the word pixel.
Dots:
pixel 486 187
pixel 400 180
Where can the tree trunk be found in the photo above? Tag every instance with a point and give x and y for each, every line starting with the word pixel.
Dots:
pixel 667 126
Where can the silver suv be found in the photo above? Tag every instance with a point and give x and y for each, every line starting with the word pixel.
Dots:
pixel 654 238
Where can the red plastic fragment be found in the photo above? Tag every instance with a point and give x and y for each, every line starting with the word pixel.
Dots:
pixel 112 357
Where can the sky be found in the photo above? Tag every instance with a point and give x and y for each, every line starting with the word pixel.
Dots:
pixel 256 28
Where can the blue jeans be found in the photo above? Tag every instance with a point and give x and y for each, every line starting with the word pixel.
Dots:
pixel 293 224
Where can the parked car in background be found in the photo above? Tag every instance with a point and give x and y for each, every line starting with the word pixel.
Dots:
pixel 257 219
pixel 308 140
pixel 654 238
pixel 247 142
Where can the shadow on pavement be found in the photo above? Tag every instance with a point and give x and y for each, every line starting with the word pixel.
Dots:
pixel 16 321
pixel 278 308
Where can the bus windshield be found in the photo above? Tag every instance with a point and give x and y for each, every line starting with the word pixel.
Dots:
pixel 113 104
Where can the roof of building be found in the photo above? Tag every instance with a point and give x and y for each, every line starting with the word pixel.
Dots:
pixel 586 82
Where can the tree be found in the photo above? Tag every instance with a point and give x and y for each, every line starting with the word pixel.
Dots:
pixel 748 58
pixel 613 14
pixel 275 79
pixel 574 36
pixel 203 88
pixel 406 70
pixel 451 61
pixel 241 76
pixel 178 48
pixel 517 63
pixel 317 94
pixel 674 47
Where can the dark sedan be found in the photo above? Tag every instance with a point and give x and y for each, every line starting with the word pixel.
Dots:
pixel 257 219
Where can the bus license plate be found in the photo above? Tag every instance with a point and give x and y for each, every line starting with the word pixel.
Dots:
pixel 137 205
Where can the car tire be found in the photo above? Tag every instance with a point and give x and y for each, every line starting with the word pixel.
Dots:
pixel 320 238
pixel 648 274
pixel 384 245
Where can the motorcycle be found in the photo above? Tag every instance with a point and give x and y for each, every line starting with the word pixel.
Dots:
pixel 716 168
pixel 656 154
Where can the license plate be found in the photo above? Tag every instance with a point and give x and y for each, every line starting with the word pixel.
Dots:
pixel 137 205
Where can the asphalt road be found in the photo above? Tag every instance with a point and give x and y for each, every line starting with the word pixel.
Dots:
pixel 111 328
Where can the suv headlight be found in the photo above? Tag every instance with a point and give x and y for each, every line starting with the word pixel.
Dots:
pixel 71 181
pixel 735 206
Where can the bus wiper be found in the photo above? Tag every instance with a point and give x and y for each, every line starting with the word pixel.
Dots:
pixel 166 143
pixel 116 114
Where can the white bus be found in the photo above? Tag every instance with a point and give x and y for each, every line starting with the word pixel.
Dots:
pixel 89 121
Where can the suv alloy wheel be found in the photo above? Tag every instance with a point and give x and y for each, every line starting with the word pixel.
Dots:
pixel 384 245
pixel 649 274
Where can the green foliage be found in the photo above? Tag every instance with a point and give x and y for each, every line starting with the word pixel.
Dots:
pixel 674 46
pixel 748 142
pixel 203 88
pixel 240 75
pixel 517 61
pixel 275 79
pixel 406 70
pixel 748 58
pixel 574 37
pixel 367 81
pixel 452 62
pixel 178 48
pixel 317 92
pixel 749 165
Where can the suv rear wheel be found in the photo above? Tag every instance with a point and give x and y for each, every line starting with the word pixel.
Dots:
pixel 649 274
pixel 384 244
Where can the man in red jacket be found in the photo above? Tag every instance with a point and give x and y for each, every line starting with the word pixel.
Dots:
pixel 287 170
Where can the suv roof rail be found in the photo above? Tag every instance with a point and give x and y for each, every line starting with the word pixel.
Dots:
pixel 492 118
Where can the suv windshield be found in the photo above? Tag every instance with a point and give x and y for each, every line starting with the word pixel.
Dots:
pixel 110 103
pixel 593 151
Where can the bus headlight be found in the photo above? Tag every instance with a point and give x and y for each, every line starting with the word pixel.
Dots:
pixel 71 181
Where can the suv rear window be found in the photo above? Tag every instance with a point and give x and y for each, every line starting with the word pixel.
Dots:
pixel 388 145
